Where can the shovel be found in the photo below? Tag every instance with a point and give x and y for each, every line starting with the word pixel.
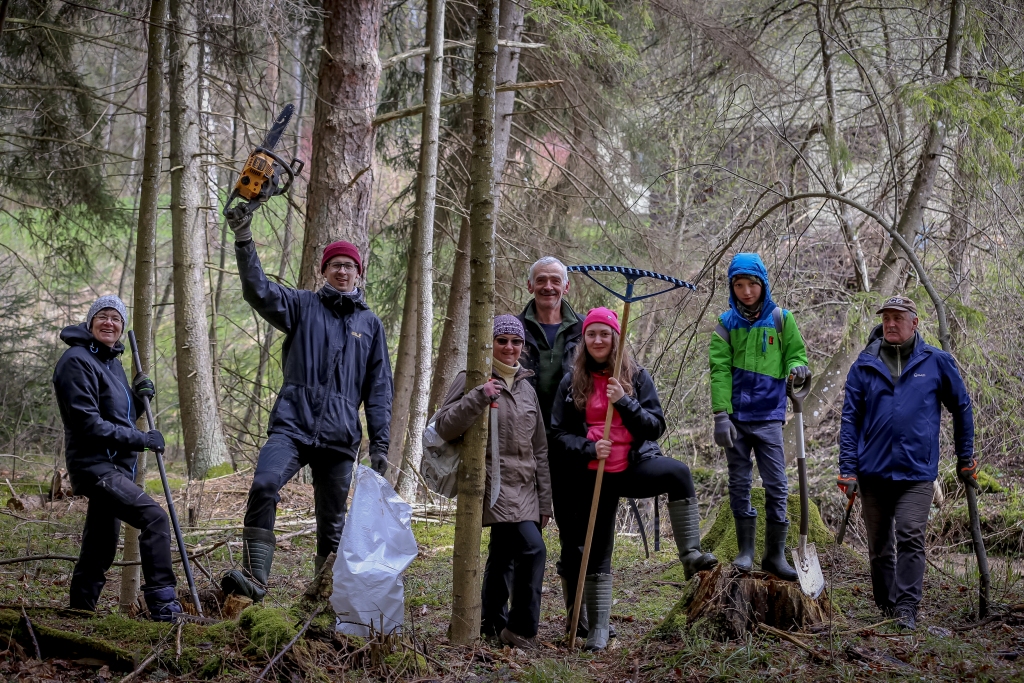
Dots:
pixel 805 555
pixel 846 520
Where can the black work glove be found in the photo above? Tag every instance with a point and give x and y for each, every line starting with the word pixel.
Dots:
pixel 967 472
pixel 143 387
pixel 801 373
pixel 154 441
pixel 241 229
pixel 379 463
pixel 848 485
pixel 725 431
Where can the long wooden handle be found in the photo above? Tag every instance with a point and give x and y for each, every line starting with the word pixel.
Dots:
pixel 585 560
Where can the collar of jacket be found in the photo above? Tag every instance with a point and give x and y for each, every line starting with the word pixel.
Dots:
pixel 872 353
pixel 342 302
pixel 522 373
pixel 79 335
pixel 529 319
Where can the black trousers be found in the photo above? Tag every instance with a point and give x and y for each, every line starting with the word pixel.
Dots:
pixel 112 499
pixel 646 479
pixel 280 459
pixel 515 567
pixel 896 516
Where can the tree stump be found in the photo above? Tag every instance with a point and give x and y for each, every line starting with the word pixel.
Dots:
pixel 732 603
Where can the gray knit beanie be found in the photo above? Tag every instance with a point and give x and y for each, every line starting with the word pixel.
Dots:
pixel 108 301
pixel 508 324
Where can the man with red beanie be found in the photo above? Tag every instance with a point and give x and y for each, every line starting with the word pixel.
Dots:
pixel 334 358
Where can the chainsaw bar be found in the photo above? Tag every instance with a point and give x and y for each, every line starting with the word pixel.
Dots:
pixel 277 129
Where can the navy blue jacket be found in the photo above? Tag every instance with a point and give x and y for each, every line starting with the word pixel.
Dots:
pixel 335 357
pixel 891 429
pixel 98 408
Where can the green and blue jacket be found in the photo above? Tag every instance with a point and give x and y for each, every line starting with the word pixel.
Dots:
pixel 751 361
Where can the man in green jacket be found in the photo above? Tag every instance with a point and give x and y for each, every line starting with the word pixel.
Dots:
pixel 755 347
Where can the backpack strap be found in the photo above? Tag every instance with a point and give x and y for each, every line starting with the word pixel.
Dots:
pixel 777 317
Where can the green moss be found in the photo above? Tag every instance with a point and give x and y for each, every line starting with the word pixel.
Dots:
pixel 268 629
pixel 702 475
pixel 675 621
pixel 988 480
pixel 721 538
pixel 155 487
pixel 219 471
pixel 406 663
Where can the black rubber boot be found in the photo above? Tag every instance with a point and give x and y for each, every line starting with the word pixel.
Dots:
pixel 774 560
pixel 685 519
pixel 257 558
pixel 746 540
pixel 162 603
pixel 597 591
pixel 582 627
pixel 318 563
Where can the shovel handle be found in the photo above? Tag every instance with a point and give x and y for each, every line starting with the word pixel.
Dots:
pixel 846 520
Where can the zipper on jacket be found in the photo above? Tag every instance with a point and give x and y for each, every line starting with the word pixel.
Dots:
pixel 130 420
pixel 764 341
pixel 335 358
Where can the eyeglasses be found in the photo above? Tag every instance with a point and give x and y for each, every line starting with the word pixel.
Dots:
pixel 107 319
pixel 345 266
pixel 505 341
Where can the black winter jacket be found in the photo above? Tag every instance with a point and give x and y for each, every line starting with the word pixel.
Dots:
pixel 335 357
pixel 98 408
pixel 641 414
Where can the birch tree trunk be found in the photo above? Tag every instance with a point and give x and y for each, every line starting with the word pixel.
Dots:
pixel 466 570
pixel 145 258
pixel 200 423
pixel 425 201
pixel 341 174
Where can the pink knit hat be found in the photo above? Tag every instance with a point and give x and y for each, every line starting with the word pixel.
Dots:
pixel 602 315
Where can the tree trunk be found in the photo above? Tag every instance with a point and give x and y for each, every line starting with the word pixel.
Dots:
pixel 451 354
pixel 200 423
pixel 341 177
pixel 825 392
pixel 145 257
pixel 405 359
pixel 425 201
pixel 466 573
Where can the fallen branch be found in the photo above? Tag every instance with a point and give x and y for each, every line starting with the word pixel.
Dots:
pixel 793 639
pixel 31 633
pixel 142 667
pixel 291 642
pixel 459 99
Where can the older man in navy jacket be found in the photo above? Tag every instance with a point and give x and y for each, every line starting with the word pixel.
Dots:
pixel 889 449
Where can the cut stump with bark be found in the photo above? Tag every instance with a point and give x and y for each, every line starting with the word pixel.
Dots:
pixel 732 604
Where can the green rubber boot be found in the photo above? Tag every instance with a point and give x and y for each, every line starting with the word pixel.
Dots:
pixel 685 519
pixel 597 591
pixel 774 560
pixel 746 540
pixel 581 627
pixel 257 558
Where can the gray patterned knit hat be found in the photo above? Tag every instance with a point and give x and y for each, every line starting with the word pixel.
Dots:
pixel 108 301
pixel 508 324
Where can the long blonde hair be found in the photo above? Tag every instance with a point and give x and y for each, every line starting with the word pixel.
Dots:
pixel 582 384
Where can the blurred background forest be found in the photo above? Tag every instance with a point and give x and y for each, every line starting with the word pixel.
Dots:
pixel 663 134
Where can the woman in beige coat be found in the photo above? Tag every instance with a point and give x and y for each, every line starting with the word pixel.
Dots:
pixel 517 493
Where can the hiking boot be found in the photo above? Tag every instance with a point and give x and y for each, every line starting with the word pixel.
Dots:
pixel 257 558
pixel 746 538
pixel 162 602
pixel 597 591
pixel 515 640
pixel 774 560
pixel 685 519
pixel 581 627
pixel 906 618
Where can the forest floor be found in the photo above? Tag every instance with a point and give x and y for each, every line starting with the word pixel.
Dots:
pixel 949 644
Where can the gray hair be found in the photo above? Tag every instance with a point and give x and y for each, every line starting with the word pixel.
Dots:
pixel 548 261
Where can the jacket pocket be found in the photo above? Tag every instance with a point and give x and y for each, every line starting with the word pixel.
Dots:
pixel 339 422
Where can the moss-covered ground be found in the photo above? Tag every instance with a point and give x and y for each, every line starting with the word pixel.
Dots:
pixel 948 645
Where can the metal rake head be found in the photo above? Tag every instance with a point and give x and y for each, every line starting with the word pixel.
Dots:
pixel 631 275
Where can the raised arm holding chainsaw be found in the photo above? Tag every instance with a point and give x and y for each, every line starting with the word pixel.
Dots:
pixel 889 449
pixel 335 359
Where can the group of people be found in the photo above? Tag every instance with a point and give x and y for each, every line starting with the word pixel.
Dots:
pixel 551 385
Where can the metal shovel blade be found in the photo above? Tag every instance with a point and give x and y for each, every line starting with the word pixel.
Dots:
pixel 808 570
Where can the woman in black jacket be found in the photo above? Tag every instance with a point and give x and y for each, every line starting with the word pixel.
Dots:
pixel 634 465
pixel 99 410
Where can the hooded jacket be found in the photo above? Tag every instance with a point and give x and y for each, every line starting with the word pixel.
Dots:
pixel 525 492
pixel 890 429
pixel 641 414
pixel 749 361
pixel 334 358
pixel 98 408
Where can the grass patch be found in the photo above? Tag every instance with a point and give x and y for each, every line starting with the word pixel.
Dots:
pixel 552 671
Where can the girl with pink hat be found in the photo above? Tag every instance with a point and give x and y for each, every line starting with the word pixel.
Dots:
pixel 634 465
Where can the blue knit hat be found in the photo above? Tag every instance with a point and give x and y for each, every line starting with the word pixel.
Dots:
pixel 108 301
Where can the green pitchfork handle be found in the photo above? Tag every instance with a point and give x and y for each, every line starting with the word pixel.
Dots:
pixel 137 362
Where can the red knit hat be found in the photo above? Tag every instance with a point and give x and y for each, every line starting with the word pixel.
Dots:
pixel 602 315
pixel 341 248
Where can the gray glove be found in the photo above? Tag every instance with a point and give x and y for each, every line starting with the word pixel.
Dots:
pixel 379 463
pixel 725 431
pixel 241 229
pixel 802 373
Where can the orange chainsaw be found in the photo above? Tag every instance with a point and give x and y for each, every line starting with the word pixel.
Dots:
pixel 264 175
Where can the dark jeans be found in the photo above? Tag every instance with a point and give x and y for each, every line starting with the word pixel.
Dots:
pixel 280 459
pixel 765 440
pixel 646 479
pixel 515 567
pixel 113 498
pixel 896 516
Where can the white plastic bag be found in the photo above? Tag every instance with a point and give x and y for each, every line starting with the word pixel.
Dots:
pixel 376 547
